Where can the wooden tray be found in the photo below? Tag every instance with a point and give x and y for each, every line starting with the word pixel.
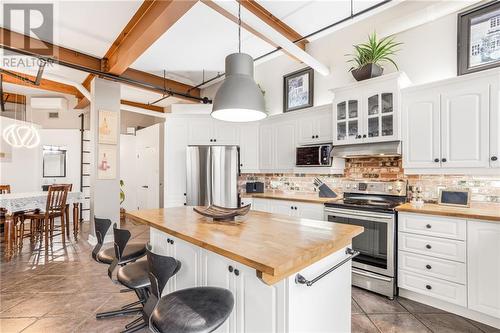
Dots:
pixel 222 213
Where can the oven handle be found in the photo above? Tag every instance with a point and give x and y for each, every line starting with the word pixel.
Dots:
pixel 371 275
pixel 348 213
pixel 299 279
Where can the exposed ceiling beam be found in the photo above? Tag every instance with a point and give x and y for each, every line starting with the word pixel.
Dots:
pixel 25 43
pixel 45 84
pixel 267 28
pixel 143 106
pixel 14 98
pixel 271 20
pixel 154 19
pixel 21 42
pixel 234 19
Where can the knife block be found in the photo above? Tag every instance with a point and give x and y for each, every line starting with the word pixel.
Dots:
pixel 326 192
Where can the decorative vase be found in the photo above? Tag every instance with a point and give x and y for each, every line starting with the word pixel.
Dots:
pixel 368 71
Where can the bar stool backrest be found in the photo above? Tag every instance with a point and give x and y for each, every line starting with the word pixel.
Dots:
pixel 101 227
pixel 161 269
pixel 4 189
pixel 122 236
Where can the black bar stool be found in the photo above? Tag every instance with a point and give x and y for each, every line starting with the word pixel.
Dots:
pixel 131 277
pixel 192 310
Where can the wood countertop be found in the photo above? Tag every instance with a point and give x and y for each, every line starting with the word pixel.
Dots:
pixel 275 245
pixel 478 211
pixel 309 198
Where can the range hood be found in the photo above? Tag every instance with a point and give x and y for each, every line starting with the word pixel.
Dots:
pixel 391 148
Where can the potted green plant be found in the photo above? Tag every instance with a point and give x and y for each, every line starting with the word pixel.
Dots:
pixel 369 56
pixel 122 199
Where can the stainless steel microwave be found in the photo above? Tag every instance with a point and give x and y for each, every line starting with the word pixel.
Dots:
pixel 310 156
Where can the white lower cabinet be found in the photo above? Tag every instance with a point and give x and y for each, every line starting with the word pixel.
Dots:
pixel 454 260
pixel 282 307
pixel 483 243
pixel 313 211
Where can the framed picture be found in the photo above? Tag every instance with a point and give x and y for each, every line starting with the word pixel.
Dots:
pixel 108 127
pixel 106 162
pixel 479 38
pixel 298 89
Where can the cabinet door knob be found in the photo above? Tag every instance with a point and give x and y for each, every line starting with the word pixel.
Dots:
pixel 230 269
pixel 168 240
pixel 236 272
pixel 436 160
pixel 494 158
pixel 428 226
pixel 211 140
pixel 443 160
pixel 364 135
pixel 172 241
pixel 185 204
pixel 358 137
pixel 241 164
pixel 429 287
pixel 428 246
pixel 215 140
pixel 312 136
pixel 317 136
pixel 428 266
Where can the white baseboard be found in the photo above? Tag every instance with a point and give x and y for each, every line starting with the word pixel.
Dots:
pixel 453 308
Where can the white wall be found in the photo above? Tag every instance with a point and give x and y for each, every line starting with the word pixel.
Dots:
pixel 128 170
pixel 428 53
pixel 23 170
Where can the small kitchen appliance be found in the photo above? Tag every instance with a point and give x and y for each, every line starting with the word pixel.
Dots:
pixel 313 156
pixel 371 204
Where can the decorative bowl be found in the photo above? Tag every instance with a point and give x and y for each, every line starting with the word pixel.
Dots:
pixel 222 213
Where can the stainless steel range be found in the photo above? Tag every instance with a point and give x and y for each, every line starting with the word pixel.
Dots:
pixel 371 204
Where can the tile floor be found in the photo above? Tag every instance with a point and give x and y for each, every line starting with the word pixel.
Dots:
pixel 61 290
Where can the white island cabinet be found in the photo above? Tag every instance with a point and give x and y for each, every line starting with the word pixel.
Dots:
pixel 258 259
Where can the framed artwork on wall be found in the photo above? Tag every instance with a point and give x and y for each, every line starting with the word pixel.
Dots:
pixel 106 162
pixel 108 127
pixel 479 38
pixel 298 90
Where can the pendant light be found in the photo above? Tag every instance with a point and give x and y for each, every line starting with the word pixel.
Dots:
pixel 239 98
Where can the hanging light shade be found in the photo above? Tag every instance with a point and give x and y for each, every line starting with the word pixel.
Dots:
pixel 20 135
pixel 239 98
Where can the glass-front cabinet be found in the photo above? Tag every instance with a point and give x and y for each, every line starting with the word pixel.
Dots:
pixel 348 121
pixel 368 111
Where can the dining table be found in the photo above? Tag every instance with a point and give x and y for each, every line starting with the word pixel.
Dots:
pixel 16 203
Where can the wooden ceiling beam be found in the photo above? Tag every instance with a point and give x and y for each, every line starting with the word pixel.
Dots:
pixel 271 20
pixel 143 106
pixel 25 43
pixel 45 84
pixel 153 19
pixel 14 98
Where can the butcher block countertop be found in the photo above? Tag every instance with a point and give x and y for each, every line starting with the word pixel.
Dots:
pixel 309 198
pixel 478 211
pixel 275 245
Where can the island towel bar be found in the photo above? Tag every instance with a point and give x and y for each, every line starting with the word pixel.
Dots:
pixel 299 279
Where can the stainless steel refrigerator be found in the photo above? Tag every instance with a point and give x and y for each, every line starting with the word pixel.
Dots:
pixel 212 176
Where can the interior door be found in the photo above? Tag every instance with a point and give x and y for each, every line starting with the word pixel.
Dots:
pixel 148 185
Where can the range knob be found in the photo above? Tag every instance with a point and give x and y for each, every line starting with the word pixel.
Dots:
pixel 390 187
pixel 348 186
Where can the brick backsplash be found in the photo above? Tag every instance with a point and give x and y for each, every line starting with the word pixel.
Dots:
pixel 483 188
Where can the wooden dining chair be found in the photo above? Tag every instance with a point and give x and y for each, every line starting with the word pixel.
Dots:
pixel 4 189
pixel 43 222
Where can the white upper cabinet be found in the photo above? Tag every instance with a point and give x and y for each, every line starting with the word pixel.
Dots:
pixel 451 126
pixel 315 125
pixel 277 145
pixel 249 147
pixel 368 111
pixel 421 128
pixel 204 130
pixel 465 125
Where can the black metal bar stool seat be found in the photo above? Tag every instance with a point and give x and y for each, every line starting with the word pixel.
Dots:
pixel 134 275
pixel 132 252
pixel 193 310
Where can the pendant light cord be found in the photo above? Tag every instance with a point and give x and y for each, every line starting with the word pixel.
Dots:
pixel 239 27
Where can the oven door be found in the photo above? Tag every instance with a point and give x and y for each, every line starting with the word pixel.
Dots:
pixel 376 244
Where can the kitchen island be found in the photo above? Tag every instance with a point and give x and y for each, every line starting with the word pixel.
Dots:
pixel 258 258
